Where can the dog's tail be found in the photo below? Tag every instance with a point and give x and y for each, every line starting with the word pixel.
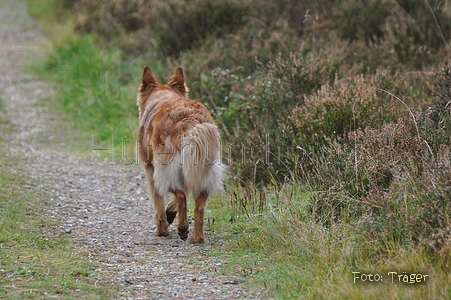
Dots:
pixel 201 159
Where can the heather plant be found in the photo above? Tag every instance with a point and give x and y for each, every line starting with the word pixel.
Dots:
pixel 226 104
pixel 393 178
pixel 339 108
pixel 182 25
pixel 258 45
pixel 441 90
pixel 271 93
pixel 396 177
pixel 412 205
pixel 254 110
pixel 170 26
pixel 109 18
pixel 362 20
pixel 430 22
pixel 421 29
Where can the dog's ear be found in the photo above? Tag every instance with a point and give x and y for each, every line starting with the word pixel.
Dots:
pixel 148 79
pixel 177 82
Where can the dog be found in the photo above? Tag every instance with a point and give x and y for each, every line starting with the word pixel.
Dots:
pixel 179 144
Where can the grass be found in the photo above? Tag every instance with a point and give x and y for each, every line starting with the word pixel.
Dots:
pixel 288 253
pixel 36 259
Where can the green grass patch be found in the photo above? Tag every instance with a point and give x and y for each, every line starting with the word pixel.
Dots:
pixel 94 87
pixel 36 259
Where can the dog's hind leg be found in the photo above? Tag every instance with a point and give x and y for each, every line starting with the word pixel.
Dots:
pixel 171 209
pixel 158 205
pixel 198 234
pixel 183 225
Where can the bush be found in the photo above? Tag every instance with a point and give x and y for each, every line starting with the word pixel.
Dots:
pixel 173 26
pixel 441 90
pixel 396 178
pixel 254 110
pixel 339 108
pixel 422 29
pixel 109 18
pixel 430 22
pixel 362 20
pixel 411 206
pixel 397 175
pixel 181 25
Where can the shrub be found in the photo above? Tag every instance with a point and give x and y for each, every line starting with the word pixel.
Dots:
pixel 342 107
pixel 182 25
pixel 253 111
pixel 226 104
pixel 173 26
pixel 430 22
pixel 441 90
pixel 109 18
pixel 421 30
pixel 412 207
pixel 362 20
pixel 396 176
pixel 242 53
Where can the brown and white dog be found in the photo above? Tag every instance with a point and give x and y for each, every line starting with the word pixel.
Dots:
pixel 179 145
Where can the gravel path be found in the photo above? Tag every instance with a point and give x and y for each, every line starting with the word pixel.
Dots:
pixel 104 208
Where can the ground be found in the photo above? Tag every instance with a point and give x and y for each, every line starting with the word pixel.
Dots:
pixel 102 208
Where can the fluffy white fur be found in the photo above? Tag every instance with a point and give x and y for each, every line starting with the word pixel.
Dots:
pixel 196 168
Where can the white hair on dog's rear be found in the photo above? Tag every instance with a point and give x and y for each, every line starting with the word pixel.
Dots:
pixel 197 167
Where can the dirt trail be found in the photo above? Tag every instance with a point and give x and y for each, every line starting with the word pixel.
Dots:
pixel 104 208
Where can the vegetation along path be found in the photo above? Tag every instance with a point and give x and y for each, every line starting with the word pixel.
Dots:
pixel 101 208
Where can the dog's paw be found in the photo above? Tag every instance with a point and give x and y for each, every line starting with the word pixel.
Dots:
pixel 183 232
pixel 197 240
pixel 162 228
pixel 159 232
